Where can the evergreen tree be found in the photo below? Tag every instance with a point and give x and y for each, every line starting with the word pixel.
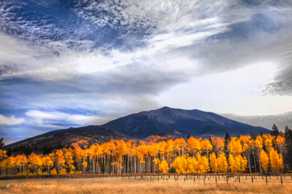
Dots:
pixel 226 148
pixel 275 130
pixel 288 154
pixel 226 142
pixel 2 143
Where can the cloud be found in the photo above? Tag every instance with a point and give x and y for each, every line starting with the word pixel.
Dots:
pixel 11 120
pixel 282 83
pixel 178 38
pixel 43 116
pixel 200 36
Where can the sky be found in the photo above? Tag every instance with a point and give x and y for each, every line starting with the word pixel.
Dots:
pixel 70 63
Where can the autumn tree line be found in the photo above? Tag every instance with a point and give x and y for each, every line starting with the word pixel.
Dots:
pixel 264 154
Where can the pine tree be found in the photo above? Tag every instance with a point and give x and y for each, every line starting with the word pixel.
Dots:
pixel 226 143
pixel 2 143
pixel 275 130
pixel 288 145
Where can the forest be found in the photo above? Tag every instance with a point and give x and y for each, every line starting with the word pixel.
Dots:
pixel 265 154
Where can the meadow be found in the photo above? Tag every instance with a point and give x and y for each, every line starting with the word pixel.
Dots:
pixel 149 185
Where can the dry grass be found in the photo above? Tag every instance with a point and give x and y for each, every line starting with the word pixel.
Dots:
pixel 146 186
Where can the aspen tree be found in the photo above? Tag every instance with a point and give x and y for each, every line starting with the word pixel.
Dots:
pixel 48 163
pixel 35 163
pixel 222 163
pixel 264 160
pixel 163 166
pixel 60 162
pixel 276 161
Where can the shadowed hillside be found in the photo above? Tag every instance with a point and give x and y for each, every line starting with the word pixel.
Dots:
pixel 165 121
pixel 179 122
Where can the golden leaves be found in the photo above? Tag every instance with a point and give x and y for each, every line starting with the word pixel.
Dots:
pixel 192 155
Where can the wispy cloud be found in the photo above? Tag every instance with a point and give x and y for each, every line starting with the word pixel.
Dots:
pixel 42 116
pixel 10 120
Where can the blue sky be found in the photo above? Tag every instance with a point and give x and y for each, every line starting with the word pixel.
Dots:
pixel 79 62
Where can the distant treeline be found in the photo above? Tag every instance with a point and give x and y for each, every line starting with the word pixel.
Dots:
pixel 266 154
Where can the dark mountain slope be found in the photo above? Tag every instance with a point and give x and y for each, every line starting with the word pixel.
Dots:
pixel 63 138
pixel 179 122
pixel 163 122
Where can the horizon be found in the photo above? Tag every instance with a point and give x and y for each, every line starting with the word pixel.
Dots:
pixel 72 64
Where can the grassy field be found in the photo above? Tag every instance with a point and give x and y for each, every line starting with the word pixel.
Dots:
pixel 145 185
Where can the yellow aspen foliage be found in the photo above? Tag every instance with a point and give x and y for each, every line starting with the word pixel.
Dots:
pixel 180 164
pixel 35 160
pixel 218 164
pixel 162 148
pixel 280 140
pixel 237 163
pixel 60 160
pixel 35 163
pixel 79 153
pixel 163 166
pixel 203 164
pixel 84 165
pixel 156 161
pixel 206 145
pixel 264 161
pixel 214 163
pixel 246 142
pixel 259 142
pixel 153 150
pixel 10 163
pixel 3 154
pixel 193 155
pixel 235 146
pixel 69 162
pixel 243 163
pixel 141 151
pixel 62 172
pixel 218 144
pixel 47 161
pixel 179 145
pixel 21 162
pixel 222 163
pixel 169 147
pixel 268 141
pixel 186 165
pixel 53 172
pixel 192 164
pixel 276 161
pixel 194 145
pixel 233 164
pixel 97 150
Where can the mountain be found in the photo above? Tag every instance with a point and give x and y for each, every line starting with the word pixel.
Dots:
pixel 178 122
pixel 281 120
pixel 63 138
pixel 165 121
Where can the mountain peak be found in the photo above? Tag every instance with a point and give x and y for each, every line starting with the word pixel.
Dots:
pixel 165 108
pixel 167 121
